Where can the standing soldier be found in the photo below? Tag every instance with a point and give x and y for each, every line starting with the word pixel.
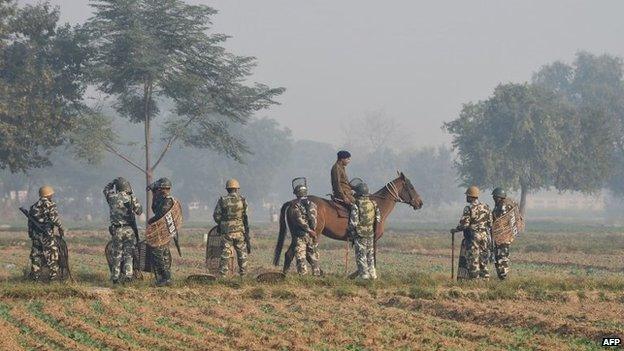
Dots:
pixel 476 221
pixel 502 205
pixel 124 206
pixel 162 203
pixel 363 219
pixel 45 250
pixel 339 180
pixel 306 245
pixel 230 214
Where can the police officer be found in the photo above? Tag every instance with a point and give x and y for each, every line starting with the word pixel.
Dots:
pixel 306 245
pixel 339 180
pixel 45 250
pixel 502 205
pixel 475 222
pixel 230 214
pixel 363 218
pixel 123 208
pixel 162 203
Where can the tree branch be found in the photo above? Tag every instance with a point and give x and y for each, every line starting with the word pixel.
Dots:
pixel 112 150
pixel 172 140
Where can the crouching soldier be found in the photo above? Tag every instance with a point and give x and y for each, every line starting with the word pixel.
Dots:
pixel 475 223
pixel 230 214
pixel 124 206
pixel 45 249
pixel 306 245
pixel 363 219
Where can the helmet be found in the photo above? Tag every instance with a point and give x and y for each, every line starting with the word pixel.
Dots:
pixel 473 191
pixel 301 191
pixel 162 183
pixel 232 184
pixel 361 189
pixel 500 193
pixel 121 184
pixel 46 191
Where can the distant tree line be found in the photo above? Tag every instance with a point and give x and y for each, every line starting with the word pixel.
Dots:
pixel 564 129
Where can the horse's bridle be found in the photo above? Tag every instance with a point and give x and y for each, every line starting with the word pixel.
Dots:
pixel 394 192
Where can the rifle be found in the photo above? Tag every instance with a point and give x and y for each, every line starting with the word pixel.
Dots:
pixel 246 234
pixel 33 221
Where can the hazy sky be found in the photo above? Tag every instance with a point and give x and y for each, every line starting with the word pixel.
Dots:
pixel 416 60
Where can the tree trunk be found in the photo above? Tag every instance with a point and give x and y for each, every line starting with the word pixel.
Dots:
pixel 524 189
pixel 148 141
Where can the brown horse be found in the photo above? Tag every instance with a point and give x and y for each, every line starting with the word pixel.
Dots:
pixel 330 224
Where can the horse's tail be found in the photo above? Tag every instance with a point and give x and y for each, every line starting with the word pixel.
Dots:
pixel 282 234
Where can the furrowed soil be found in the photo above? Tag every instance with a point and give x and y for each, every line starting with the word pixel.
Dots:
pixel 565 292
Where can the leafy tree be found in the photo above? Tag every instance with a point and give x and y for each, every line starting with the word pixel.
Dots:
pixel 157 53
pixel 7 11
pixel 41 85
pixel 513 139
pixel 270 147
pixel 594 85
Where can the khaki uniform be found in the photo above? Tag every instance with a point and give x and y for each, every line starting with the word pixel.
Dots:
pixel 476 222
pixel 45 250
pixel 502 250
pixel 306 247
pixel 363 218
pixel 340 183
pixel 231 216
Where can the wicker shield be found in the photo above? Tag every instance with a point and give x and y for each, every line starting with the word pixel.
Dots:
pixel 505 228
pixel 146 258
pixel 462 263
pixel 64 272
pixel 270 277
pixel 161 232
pixel 213 252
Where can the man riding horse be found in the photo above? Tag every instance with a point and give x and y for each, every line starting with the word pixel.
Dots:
pixel 341 188
pixel 333 224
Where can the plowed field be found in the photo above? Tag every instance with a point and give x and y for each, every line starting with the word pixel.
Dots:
pixel 566 292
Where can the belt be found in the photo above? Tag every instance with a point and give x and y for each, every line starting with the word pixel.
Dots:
pixel 119 225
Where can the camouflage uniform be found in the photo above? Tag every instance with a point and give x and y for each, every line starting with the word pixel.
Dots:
pixel 306 247
pixel 502 250
pixel 123 206
pixel 231 216
pixel 44 250
pixel 363 218
pixel 161 204
pixel 476 221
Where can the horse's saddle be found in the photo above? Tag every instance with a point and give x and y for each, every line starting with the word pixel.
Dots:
pixel 341 207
